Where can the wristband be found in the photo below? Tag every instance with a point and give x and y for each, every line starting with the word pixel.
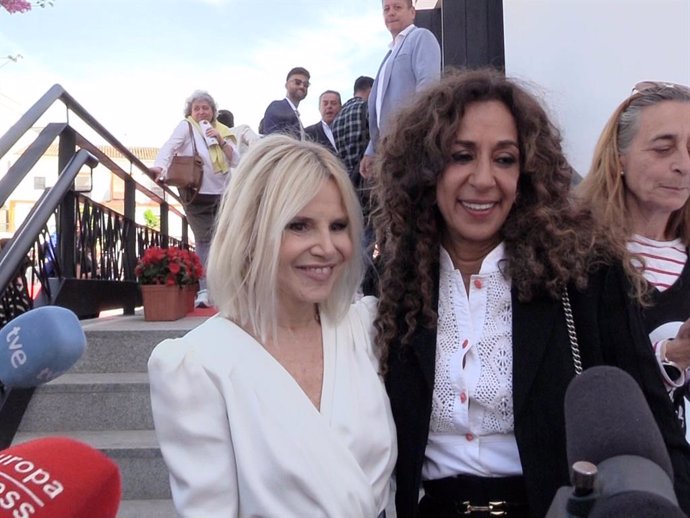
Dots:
pixel 672 373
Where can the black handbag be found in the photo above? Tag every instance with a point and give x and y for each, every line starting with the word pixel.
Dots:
pixel 186 173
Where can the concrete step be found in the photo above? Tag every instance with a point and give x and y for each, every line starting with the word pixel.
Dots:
pixel 136 452
pixel 119 343
pixel 146 509
pixel 103 401
pixel 120 351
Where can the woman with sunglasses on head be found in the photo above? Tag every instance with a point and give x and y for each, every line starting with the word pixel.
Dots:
pixel 639 187
pixel 485 266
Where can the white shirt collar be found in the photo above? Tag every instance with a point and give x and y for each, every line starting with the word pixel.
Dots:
pixel 294 108
pixel 490 264
pixel 329 134
pixel 401 36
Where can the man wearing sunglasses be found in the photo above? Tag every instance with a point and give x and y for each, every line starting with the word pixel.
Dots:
pixel 282 116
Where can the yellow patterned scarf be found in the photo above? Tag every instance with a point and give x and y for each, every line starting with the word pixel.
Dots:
pixel 218 158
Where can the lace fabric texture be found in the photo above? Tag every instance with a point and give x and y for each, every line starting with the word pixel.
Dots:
pixel 483 368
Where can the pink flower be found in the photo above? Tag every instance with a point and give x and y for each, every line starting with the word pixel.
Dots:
pixel 16 6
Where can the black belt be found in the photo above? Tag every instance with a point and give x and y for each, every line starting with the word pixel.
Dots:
pixel 465 495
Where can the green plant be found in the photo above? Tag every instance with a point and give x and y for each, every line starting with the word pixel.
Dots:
pixel 152 220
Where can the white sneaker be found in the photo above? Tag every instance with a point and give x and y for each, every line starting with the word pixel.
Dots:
pixel 201 300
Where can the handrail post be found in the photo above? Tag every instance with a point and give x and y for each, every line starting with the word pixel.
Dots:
pixel 185 231
pixel 164 224
pixel 130 236
pixel 66 235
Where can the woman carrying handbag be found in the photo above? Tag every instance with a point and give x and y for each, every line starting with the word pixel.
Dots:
pixel 200 133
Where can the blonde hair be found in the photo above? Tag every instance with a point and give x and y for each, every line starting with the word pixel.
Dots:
pixel 277 178
pixel 603 189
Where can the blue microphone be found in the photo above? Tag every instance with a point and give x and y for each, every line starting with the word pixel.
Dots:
pixel 39 345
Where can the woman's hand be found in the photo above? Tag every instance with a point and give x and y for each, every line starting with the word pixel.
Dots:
pixel 366 166
pixel 678 349
pixel 213 132
pixel 155 172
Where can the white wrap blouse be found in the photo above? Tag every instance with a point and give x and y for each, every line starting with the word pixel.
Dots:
pixel 241 439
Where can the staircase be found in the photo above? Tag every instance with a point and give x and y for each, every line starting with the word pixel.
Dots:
pixel 104 401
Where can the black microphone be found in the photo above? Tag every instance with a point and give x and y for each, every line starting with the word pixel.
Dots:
pixel 620 463
pixel 635 503
pixel 606 415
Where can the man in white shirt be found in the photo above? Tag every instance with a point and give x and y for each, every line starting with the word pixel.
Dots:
pixel 413 61
pixel 329 106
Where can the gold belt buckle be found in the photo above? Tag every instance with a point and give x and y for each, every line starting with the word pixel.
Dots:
pixel 495 508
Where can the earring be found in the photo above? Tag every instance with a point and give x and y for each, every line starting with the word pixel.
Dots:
pixel 622 173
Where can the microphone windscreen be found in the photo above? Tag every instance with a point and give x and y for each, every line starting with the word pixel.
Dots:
pixel 39 346
pixel 635 504
pixel 58 477
pixel 606 415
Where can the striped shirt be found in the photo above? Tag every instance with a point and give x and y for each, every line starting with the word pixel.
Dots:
pixel 663 261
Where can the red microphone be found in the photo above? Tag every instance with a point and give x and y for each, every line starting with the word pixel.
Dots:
pixel 58 477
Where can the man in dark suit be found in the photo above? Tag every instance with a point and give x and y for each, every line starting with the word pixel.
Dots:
pixel 329 106
pixel 282 116
pixel 413 61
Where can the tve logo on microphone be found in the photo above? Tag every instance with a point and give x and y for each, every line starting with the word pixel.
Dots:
pixel 39 346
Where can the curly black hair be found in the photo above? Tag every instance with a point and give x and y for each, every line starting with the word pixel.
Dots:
pixel 548 242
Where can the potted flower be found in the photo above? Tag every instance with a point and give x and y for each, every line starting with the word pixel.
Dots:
pixel 169 278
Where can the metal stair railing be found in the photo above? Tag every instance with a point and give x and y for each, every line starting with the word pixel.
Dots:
pixel 85 228
pixel 31 258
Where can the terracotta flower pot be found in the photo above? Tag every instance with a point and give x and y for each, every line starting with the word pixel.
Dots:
pixel 162 302
pixel 190 291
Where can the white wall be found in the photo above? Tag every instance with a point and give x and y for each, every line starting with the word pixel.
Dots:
pixel 586 55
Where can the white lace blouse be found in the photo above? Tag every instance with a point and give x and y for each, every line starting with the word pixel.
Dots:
pixel 471 429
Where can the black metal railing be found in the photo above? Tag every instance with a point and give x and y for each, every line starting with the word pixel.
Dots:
pixel 71 250
pixel 86 240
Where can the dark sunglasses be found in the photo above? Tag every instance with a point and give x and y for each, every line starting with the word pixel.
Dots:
pixel 299 82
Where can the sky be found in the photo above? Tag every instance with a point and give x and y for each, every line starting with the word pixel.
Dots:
pixel 583 57
pixel 132 63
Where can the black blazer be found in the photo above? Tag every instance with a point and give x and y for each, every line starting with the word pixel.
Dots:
pixel 281 118
pixel 542 369
pixel 316 133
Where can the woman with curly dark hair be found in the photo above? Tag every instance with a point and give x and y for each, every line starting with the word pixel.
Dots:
pixel 484 264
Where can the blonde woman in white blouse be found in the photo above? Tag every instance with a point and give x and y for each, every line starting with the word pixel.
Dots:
pixel 275 406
